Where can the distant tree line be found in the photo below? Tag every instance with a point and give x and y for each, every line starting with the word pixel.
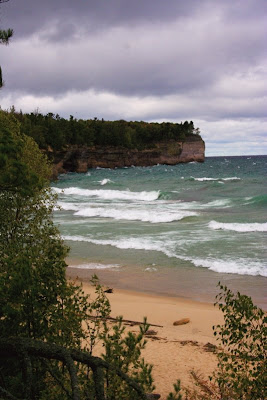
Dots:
pixel 53 131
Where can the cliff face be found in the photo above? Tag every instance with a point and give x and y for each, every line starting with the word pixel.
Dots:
pixel 80 159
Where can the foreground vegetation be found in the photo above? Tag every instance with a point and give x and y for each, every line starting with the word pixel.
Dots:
pixel 37 301
pixel 49 328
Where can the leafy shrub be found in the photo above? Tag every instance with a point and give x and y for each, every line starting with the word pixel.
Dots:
pixel 123 351
pixel 242 367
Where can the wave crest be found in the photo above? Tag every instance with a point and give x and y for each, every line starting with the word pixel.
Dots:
pixel 110 194
pixel 232 178
pixel 249 227
pixel 135 215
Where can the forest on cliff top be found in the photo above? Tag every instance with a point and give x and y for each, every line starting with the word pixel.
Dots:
pixel 53 131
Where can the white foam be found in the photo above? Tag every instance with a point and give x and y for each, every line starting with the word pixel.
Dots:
pixel 249 227
pixel 240 266
pixel 67 206
pixel 150 269
pixel 152 216
pixel 204 179
pixel 233 178
pixel 130 243
pixel 109 194
pixel 105 181
pixel 95 266
pixel 219 203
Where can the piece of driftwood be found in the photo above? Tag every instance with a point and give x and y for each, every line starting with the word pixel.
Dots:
pixel 126 321
pixel 129 321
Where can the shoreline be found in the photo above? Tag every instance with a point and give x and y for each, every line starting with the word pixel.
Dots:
pixel 174 351
pixel 196 284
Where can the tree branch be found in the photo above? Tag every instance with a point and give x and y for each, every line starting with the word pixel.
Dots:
pixel 13 346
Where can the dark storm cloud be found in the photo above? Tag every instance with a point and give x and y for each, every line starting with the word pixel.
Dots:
pixel 147 59
pixel 143 59
pixel 29 16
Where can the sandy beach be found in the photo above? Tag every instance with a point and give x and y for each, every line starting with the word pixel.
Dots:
pixel 174 351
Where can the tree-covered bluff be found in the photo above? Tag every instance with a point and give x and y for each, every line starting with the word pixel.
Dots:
pixel 53 131
pixel 77 144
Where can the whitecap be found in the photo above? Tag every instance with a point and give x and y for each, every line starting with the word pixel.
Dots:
pixel 109 194
pixel 105 181
pixel 228 266
pixel 233 178
pixel 237 227
pixel 240 266
pixel 94 266
pixel 130 243
pixel 225 203
pixel 153 217
pixel 67 206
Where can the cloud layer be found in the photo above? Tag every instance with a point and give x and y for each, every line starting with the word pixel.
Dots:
pixel 202 61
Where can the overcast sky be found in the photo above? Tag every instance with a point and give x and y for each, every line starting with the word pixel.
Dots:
pixel 150 60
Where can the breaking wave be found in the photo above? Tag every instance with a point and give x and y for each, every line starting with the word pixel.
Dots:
pixel 252 227
pixel 240 267
pixel 154 216
pixel 110 194
pixel 105 181
pixel 94 266
pixel 228 266
pixel 233 178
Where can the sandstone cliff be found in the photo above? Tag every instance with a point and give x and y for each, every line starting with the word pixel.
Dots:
pixel 80 159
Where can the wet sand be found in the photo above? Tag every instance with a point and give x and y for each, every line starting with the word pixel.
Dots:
pixel 198 284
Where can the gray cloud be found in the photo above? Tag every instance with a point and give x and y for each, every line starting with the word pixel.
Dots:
pixel 146 59
pixel 149 60
pixel 31 15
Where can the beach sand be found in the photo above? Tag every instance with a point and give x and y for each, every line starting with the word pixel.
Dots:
pixel 174 351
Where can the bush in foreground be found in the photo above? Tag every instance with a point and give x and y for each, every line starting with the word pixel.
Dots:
pixel 242 358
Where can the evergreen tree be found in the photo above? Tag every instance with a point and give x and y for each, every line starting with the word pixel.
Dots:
pixel 5 35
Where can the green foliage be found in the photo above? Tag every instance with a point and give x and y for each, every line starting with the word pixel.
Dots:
pixel 18 168
pixel 36 299
pixel 99 309
pixel 242 367
pixel 56 133
pixel 5 35
pixel 176 395
pixel 123 351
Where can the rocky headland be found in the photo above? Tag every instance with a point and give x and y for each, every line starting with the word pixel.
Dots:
pixel 81 158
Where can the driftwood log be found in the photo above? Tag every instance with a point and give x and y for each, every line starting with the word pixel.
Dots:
pixel 126 321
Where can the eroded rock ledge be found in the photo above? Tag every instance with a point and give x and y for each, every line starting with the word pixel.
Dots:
pixel 80 159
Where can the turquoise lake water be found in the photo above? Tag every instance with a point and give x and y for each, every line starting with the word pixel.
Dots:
pixel 174 230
